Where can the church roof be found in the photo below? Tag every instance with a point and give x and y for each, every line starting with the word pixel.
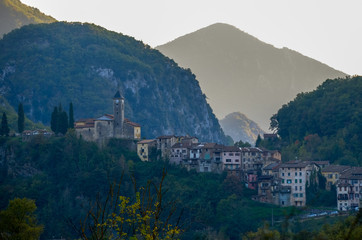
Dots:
pixel 118 95
pixel 104 118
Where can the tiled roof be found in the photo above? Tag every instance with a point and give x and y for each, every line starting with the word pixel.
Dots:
pixel 147 141
pixel 231 149
pixel 84 123
pixel 166 137
pixel 335 168
pixel 294 164
pixel 133 124
pixel 182 145
pixel 251 149
pixel 271 166
pixel 352 173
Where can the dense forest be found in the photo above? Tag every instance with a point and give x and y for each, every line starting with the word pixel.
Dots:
pixel 324 124
pixel 64 175
pixel 46 64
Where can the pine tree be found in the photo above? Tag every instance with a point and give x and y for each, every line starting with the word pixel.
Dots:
pixel 4 125
pixel 21 118
pixel 71 116
pixel 54 121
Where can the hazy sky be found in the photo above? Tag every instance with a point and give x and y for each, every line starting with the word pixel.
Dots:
pixel 327 30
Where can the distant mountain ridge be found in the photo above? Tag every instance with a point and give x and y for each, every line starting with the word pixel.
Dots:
pixel 43 65
pixel 14 14
pixel 240 127
pixel 238 72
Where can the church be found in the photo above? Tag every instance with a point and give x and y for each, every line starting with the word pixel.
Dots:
pixel 109 126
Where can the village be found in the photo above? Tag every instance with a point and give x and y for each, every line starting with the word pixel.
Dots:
pixel 276 182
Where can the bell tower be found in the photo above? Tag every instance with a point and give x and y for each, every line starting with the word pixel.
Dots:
pixel 118 112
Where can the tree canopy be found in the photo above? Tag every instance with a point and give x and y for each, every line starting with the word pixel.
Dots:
pixel 324 124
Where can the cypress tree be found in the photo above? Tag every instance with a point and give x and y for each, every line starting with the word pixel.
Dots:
pixel 21 118
pixel 258 141
pixel 71 116
pixel 62 122
pixel 54 120
pixel 4 125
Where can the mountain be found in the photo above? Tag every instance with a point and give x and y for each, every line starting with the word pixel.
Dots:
pixel 43 65
pixel 14 14
pixel 324 124
pixel 240 127
pixel 238 72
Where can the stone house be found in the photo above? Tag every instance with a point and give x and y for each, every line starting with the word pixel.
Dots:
pixel 109 126
pixel 231 158
pixel 297 176
pixel 144 148
pixel 349 189
pixel 164 144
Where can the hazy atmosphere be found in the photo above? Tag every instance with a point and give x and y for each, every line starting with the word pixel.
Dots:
pixel 326 30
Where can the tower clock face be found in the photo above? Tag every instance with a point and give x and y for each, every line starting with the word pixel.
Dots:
pixel 117 101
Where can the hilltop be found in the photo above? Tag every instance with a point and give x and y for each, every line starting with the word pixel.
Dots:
pixel 14 14
pixel 240 127
pixel 47 64
pixel 238 72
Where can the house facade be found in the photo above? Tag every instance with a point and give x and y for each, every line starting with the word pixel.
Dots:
pixel 349 189
pixel 144 148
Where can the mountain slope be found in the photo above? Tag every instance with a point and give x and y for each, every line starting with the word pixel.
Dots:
pixel 45 64
pixel 14 14
pixel 238 72
pixel 240 127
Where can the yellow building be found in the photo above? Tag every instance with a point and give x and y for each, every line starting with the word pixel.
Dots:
pixel 332 174
pixel 144 147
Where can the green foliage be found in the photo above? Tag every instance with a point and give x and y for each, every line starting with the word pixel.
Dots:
pixel 258 141
pixel 4 131
pixel 242 144
pixel 65 174
pixel 21 118
pixel 59 120
pixel 323 124
pixel 71 116
pixel 18 221
pixel 85 64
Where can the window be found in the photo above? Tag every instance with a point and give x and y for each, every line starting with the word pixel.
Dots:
pixel 296 181
pixel 289 181
pixel 300 180
pixel 300 194
pixel 295 194
pixel 300 173
pixel 300 188
pixel 228 160
pixel 296 188
pixel 231 154
pixel 330 175
pixel 296 174
pixel 236 160
pixel 237 154
pixel 288 173
pixel 282 180
pixel 283 174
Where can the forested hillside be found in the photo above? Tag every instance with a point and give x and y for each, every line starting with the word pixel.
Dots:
pixel 14 14
pixel 324 124
pixel 64 174
pixel 47 64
